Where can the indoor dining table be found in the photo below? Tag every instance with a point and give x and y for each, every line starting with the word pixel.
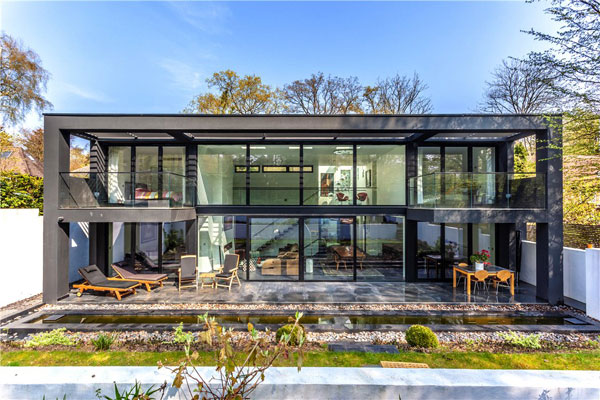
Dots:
pixel 469 271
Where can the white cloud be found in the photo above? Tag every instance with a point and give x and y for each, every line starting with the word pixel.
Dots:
pixel 84 93
pixel 182 75
pixel 207 17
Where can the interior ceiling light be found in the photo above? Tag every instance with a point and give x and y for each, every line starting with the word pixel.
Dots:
pixel 343 147
pixel 341 152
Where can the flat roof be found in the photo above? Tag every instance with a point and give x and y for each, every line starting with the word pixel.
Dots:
pixel 197 127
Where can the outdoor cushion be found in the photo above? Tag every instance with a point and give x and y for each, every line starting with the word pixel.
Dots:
pixel 132 275
pixel 95 277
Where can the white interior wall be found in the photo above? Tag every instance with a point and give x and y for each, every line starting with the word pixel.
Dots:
pixel 79 248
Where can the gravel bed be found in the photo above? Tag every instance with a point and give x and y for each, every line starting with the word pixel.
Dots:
pixel 375 337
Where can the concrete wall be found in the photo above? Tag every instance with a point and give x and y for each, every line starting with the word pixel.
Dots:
pixel 21 233
pixel 574 270
pixel 314 383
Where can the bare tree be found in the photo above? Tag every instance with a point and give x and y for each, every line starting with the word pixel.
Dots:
pixel 397 95
pixel 518 87
pixel 322 94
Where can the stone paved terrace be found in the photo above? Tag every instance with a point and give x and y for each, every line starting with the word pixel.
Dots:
pixel 316 293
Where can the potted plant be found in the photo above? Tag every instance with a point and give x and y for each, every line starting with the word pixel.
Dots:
pixel 480 258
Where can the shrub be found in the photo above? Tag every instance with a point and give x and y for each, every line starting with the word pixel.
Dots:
pixel 182 337
pixel 421 336
pixel 520 340
pixel 103 342
pixel 296 334
pixel 55 337
pixel 21 191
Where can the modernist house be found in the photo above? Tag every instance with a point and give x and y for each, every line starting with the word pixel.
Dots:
pixel 303 198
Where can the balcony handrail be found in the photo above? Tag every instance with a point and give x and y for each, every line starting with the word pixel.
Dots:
pixel 476 173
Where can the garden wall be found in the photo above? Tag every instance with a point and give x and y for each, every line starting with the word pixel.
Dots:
pixel 576 270
pixel 21 253
pixel 21 232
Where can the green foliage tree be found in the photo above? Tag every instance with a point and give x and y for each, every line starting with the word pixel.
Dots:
pixel 235 95
pixel 21 191
pixel 32 141
pixel 22 81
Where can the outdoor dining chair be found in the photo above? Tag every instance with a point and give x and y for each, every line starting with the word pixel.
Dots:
pixel 229 272
pixel 187 274
pixel 480 278
pixel 501 279
pixel 461 276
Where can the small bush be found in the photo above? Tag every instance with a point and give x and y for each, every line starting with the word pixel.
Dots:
pixel 520 340
pixel 182 337
pixel 55 337
pixel 421 336
pixel 297 334
pixel 103 342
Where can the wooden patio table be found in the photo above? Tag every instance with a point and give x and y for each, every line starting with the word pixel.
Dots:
pixel 493 270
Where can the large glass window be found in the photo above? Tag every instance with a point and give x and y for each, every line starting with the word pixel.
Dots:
pixel 219 236
pixel 380 248
pixel 221 174
pixel 277 177
pixel 173 245
pixel 330 179
pixel 328 249
pixel 380 175
pixel 429 161
pixel 274 248
pixel 484 238
pixel 456 237
pixel 146 171
pixel 456 183
pixel 173 166
pixel 429 254
pixel 484 179
pixel 119 176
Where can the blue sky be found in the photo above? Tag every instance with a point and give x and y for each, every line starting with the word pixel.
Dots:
pixel 153 57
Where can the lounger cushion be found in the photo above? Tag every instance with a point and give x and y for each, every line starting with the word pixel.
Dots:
pixel 95 277
pixel 126 274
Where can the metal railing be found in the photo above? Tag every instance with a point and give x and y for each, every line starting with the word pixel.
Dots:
pixel 126 189
pixel 478 190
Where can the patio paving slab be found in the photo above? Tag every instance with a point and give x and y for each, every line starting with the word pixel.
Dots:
pixel 316 293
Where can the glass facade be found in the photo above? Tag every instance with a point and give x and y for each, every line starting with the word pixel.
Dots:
pixel 429 252
pixel 380 248
pixel 221 174
pixel 380 176
pixel 274 249
pixel 332 179
pixel 277 178
pixel 328 249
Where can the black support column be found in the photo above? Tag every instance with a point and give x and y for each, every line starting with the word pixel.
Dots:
pixel 549 236
pixel 56 233
pixel 98 240
pixel 410 250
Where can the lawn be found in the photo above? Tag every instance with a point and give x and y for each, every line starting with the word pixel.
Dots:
pixel 576 360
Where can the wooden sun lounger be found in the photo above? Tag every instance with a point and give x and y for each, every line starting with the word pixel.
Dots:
pixel 96 280
pixel 147 280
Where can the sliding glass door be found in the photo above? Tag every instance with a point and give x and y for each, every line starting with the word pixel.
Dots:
pixel 329 249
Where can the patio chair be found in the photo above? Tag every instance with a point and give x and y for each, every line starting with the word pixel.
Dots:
pixel 187 274
pixel 229 272
pixel 461 276
pixel 480 278
pixel 147 280
pixel 501 279
pixel 96 280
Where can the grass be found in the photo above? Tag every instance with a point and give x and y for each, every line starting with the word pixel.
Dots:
pixel 579 360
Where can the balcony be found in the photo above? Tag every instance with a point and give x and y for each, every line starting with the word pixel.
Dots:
pixel 478 190
pixel 124 189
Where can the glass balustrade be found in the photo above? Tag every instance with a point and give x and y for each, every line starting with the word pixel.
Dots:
pixel 478 190
pixel 125 189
